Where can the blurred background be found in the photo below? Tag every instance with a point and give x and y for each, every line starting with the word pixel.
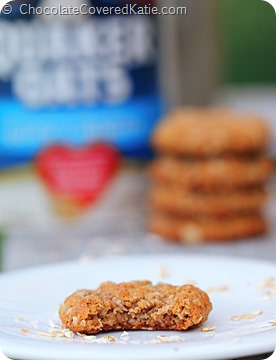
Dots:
pixel 68 83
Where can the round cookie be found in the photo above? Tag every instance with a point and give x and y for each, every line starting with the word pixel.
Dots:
pixel 136 305
pixel 174 200
pixel 210 132
pixel 212 174
pixel 206 230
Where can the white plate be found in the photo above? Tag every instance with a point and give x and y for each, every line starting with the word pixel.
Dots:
pixel 35 295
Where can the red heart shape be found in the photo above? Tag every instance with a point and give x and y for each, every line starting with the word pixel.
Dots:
pixel 78 174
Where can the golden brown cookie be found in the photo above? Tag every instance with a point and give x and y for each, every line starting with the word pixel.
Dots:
pixel 212 174
pixel 206 230
pixel 209 132
pixel 136 305
pixel 174 200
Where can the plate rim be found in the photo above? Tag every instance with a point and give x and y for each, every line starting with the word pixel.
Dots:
pixel 93 260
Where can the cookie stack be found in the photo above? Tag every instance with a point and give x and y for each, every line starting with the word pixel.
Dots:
pixel 209 180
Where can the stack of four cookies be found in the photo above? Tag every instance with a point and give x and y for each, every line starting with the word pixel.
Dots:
pixel 209 181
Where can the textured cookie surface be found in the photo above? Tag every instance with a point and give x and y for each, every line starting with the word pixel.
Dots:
pixel 175 200
pixel 136 305
pixel 205 132
pixel 206 230
pixel 212 174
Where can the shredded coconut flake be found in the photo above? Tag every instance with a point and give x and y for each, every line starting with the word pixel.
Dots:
pixel 267 288
pixel 53 325
pixel 267 283
pixel 69 334
pixel 103 340
pixel 208 328
pixel 88 337
pixel 249 316
pixel 80 334
pixel 124 335
pixel 190 282
pixel 164 272
pixel 34 323
pixel 111 338
pixel 167 339
pixel 218 289
pixel 57 333
pixel 271 292
pixel 19 319
pixel 46 334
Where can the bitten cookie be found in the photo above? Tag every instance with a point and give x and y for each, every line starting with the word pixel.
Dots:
pixel 174 200
pixel 136 305
pixel 206 230
pixel 209 132
pixel 212 174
